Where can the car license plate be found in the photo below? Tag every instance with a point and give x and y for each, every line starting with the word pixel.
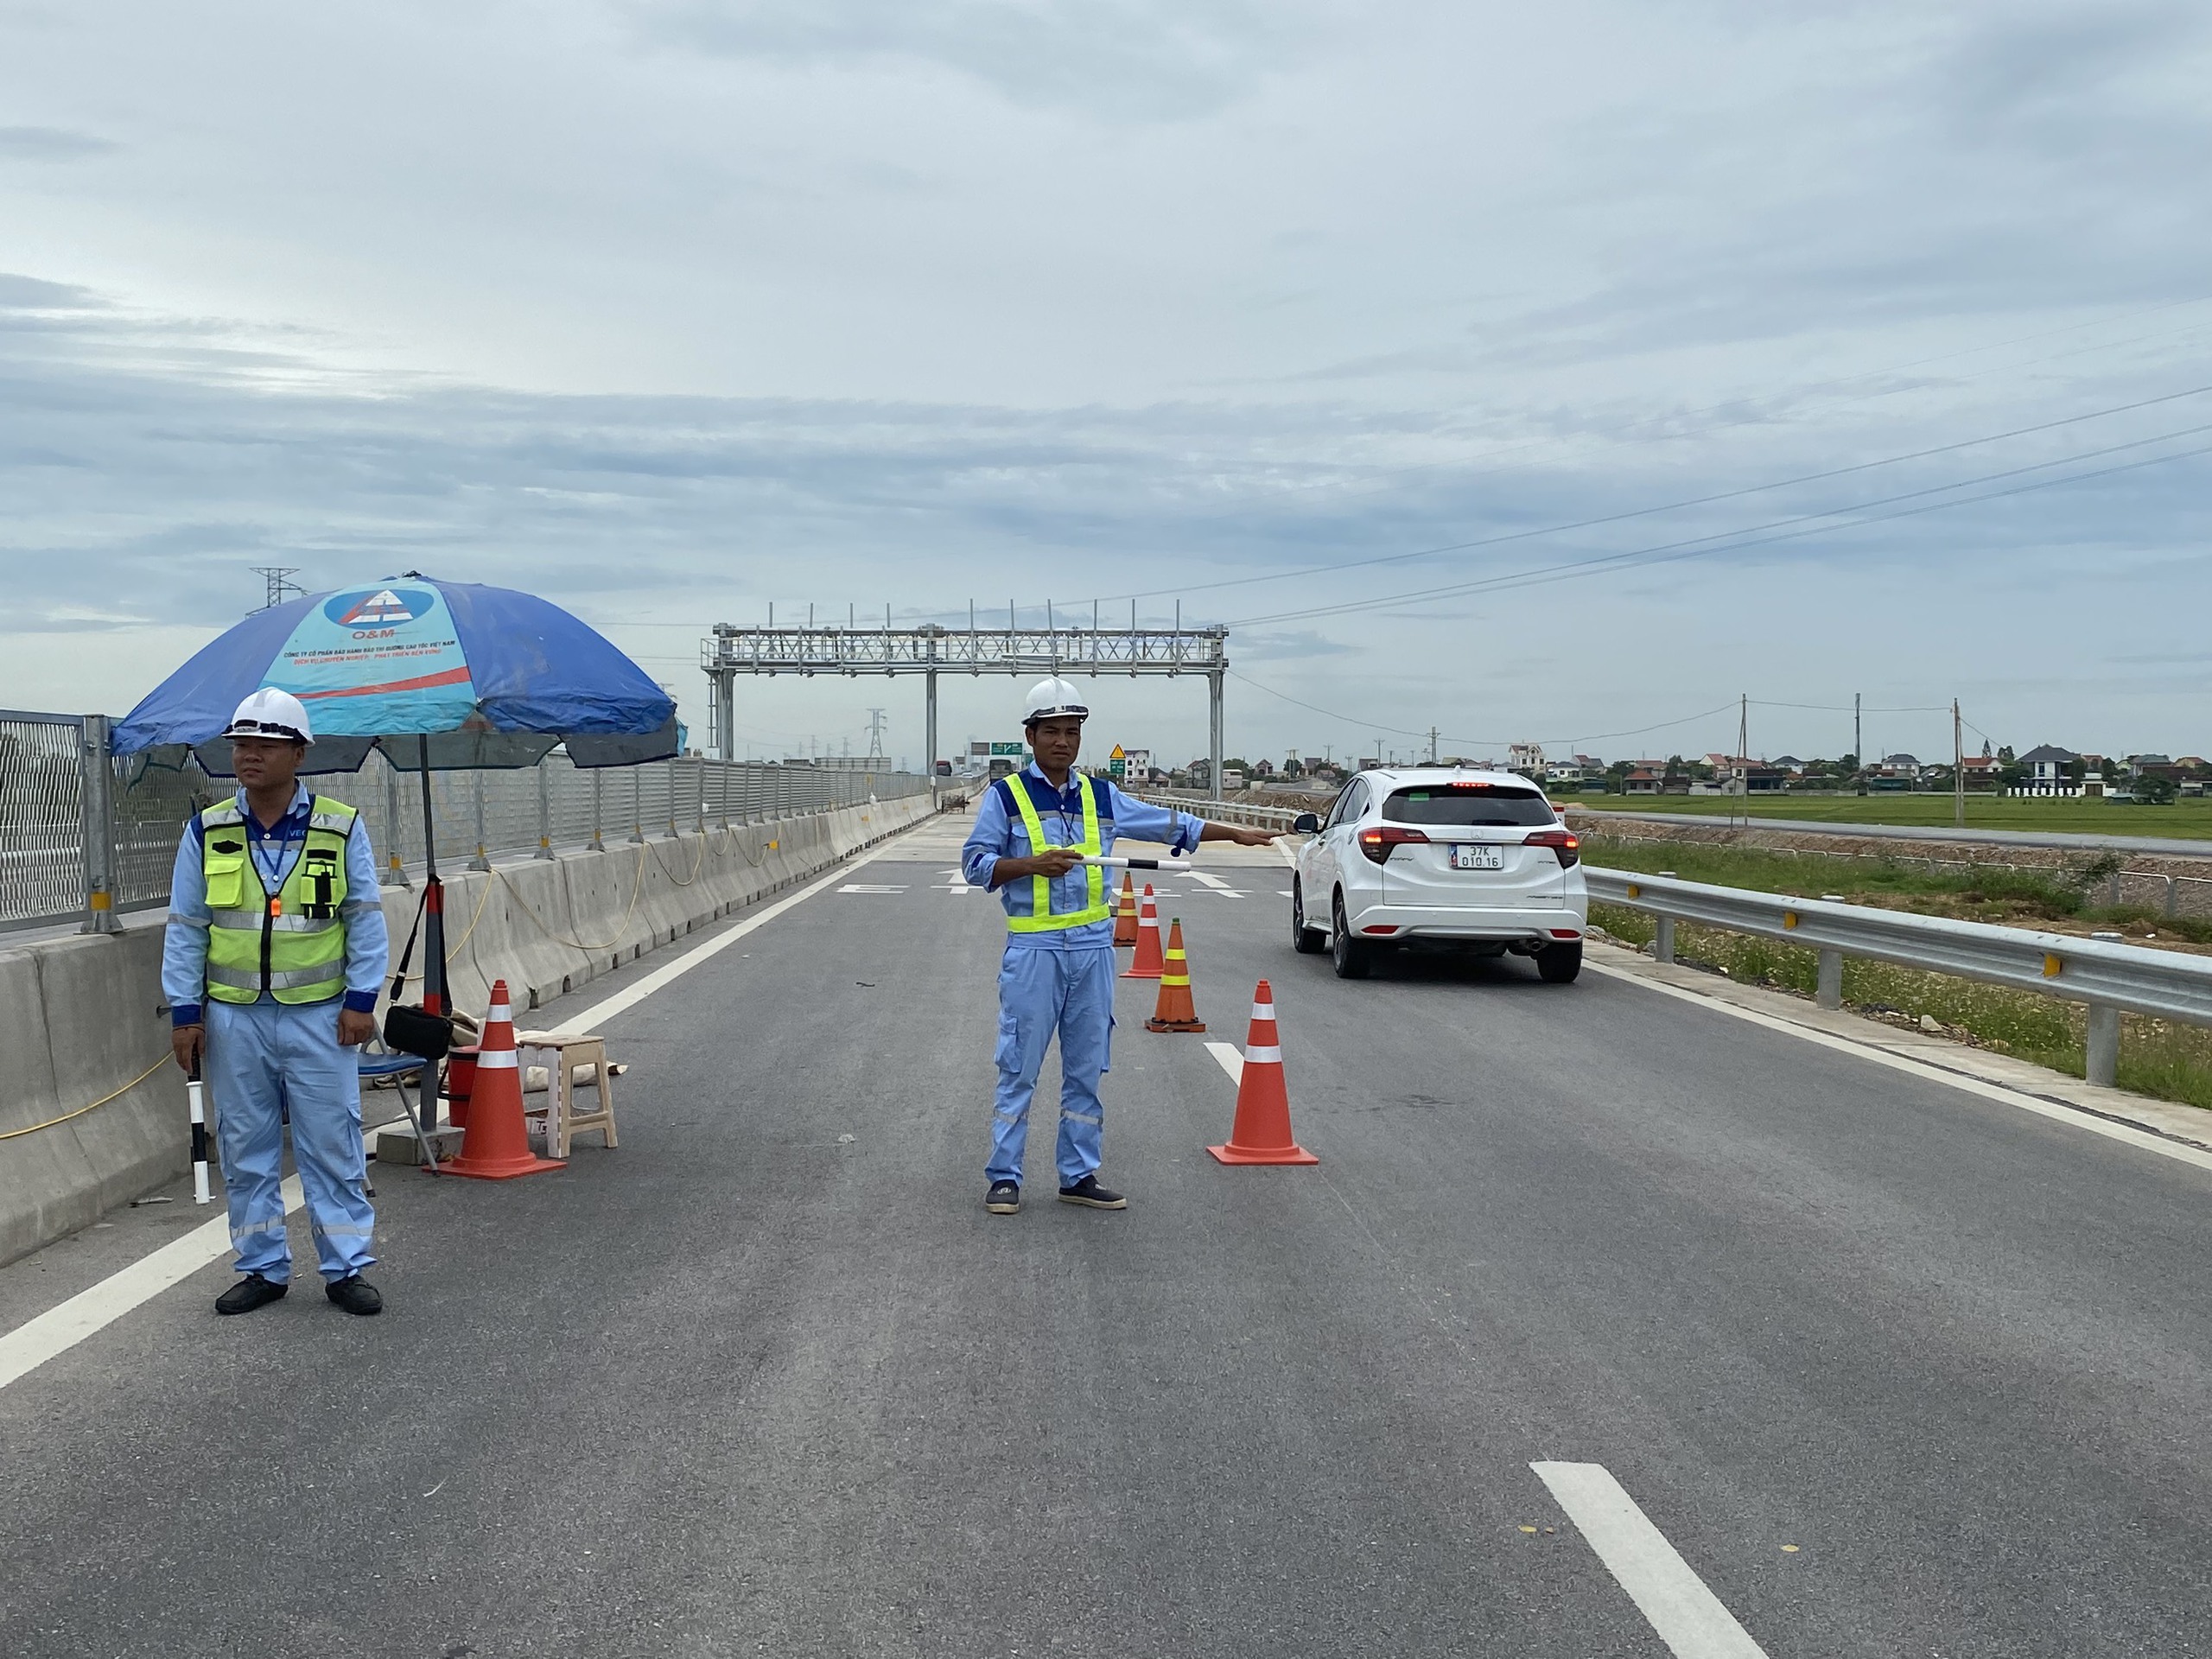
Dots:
pixel 1467 857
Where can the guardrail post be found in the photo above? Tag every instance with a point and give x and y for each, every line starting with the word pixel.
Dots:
pixel 545 810
pixel 637 806
pixel 2112 893
pixel 1828 994
pixel 96 768
pixel 598 777
pixel 699 783
pixel 1662 944
pixel 2173 899
pixel 2104 1043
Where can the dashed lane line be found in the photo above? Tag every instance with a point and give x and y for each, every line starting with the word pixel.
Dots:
pixel 1688 1617
pixel 61 1327
pixel 1231 1059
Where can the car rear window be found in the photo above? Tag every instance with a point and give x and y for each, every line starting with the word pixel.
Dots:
pixel 1469 805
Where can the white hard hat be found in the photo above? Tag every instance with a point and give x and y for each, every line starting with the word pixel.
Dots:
pixel 271 713
pixel 1054 697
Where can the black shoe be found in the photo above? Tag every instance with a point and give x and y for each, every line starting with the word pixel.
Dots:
pixel 251 1291
pixel 1004 1197
pixel 354 1294
pixel 1087 1191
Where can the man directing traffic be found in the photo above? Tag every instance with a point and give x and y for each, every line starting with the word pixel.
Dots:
pixel 1032 834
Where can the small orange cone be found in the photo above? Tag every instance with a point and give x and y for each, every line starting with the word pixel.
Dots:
pixel 1262 1133
pixel 1125 919
pixel 1174 1012
pixel 496 1145
pixel 1148 963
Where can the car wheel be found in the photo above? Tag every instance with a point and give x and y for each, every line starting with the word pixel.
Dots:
pixel 1303 939
pixel 1559 963
pixel 1352 958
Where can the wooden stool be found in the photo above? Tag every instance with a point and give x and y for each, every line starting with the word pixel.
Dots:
pixel 568 1052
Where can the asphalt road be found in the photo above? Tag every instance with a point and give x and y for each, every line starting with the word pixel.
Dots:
pixel 769 1381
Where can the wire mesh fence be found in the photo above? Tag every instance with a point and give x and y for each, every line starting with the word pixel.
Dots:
pixel 86 834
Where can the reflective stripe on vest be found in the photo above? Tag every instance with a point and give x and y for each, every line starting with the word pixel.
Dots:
pixel 292 946
pixel 1041 919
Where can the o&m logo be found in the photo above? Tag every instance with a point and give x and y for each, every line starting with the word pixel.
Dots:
pixel 380 609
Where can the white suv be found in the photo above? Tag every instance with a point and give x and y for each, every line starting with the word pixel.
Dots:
pixel 1439 856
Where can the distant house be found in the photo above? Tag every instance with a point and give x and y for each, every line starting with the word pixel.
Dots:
pixel 1264 767
pixel 1787 763
pixel 1642 780
pixel 1981 771
pixel 2047 769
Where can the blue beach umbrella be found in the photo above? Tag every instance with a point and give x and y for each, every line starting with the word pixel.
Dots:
pixel 447 674
pixel 439 675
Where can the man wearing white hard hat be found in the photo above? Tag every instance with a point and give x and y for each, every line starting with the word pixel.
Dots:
pixel 1031 832
pixel 274 955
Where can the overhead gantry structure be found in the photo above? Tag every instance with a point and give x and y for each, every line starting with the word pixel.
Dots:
pixel 930 651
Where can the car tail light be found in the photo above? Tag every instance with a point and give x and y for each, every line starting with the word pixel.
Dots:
pixel 1565 842
pixel 1377 842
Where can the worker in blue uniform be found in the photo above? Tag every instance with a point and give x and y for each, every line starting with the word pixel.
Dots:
pixel 1032 832
pixel 274 952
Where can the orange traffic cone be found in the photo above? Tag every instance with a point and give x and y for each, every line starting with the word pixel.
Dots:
pixel 1125 919
pixel 496 1146
pixel 1262 1133
pixel 1148 965
pixel 1174 1012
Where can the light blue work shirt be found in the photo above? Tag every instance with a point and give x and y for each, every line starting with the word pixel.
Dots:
pixel 999 833
pixel 274 850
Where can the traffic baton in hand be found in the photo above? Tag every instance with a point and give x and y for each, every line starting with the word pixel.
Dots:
pixel 1115 862
pixel 192 1090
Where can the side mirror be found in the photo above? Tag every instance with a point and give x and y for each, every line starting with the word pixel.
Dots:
pixel 1306 823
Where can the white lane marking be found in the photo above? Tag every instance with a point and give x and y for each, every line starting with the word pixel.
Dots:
pixel 1688 1618
pixel 61 1328
pixel 1285 892
pixel 1231 1059
pixel 868 887
pixel 2132 1136
pixel 1213 882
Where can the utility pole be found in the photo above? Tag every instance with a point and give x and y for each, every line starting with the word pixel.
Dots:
pixel 1858 742
pixel 1958 770
pixel 1742 766
pixel 875 734
pixel 1431 745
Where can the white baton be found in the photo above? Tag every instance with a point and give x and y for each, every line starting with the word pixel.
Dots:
pixel 199 1137
pixel 1169 865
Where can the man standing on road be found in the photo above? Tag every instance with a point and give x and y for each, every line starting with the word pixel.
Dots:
pixel 274 919
pixel 1032 834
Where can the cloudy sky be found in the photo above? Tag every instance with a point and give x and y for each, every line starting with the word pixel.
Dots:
pixel 1558 372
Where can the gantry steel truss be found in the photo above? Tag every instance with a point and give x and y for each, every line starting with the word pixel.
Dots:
pixel 930 651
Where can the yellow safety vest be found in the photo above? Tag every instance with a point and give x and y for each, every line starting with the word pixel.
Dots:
pixel 1041 919
pixel 290 944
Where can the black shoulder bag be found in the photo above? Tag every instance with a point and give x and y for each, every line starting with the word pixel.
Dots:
pixel 408 1028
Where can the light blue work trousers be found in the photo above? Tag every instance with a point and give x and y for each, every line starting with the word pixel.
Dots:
pixel 1041 991
pixel 261 1058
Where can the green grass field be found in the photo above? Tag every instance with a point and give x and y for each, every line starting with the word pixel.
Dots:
pixel 2183 819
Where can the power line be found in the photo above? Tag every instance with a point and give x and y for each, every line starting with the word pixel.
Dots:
pixel 1697 546
pixel 1509 536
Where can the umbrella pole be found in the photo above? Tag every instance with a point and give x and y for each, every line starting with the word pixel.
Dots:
pixel 433 925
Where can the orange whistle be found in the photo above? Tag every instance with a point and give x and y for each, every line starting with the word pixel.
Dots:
pixel 275 903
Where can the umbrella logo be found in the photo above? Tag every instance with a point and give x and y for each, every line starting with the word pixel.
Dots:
pixel 378 607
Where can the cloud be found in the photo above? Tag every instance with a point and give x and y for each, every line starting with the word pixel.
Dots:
pixel 51 145
pixel 1123 60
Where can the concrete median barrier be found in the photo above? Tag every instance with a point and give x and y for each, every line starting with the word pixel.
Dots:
pixel 82 1016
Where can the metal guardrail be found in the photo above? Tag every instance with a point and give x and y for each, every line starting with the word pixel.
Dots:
pixel 1255 817
pixel 2111 979
pixel 86 835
